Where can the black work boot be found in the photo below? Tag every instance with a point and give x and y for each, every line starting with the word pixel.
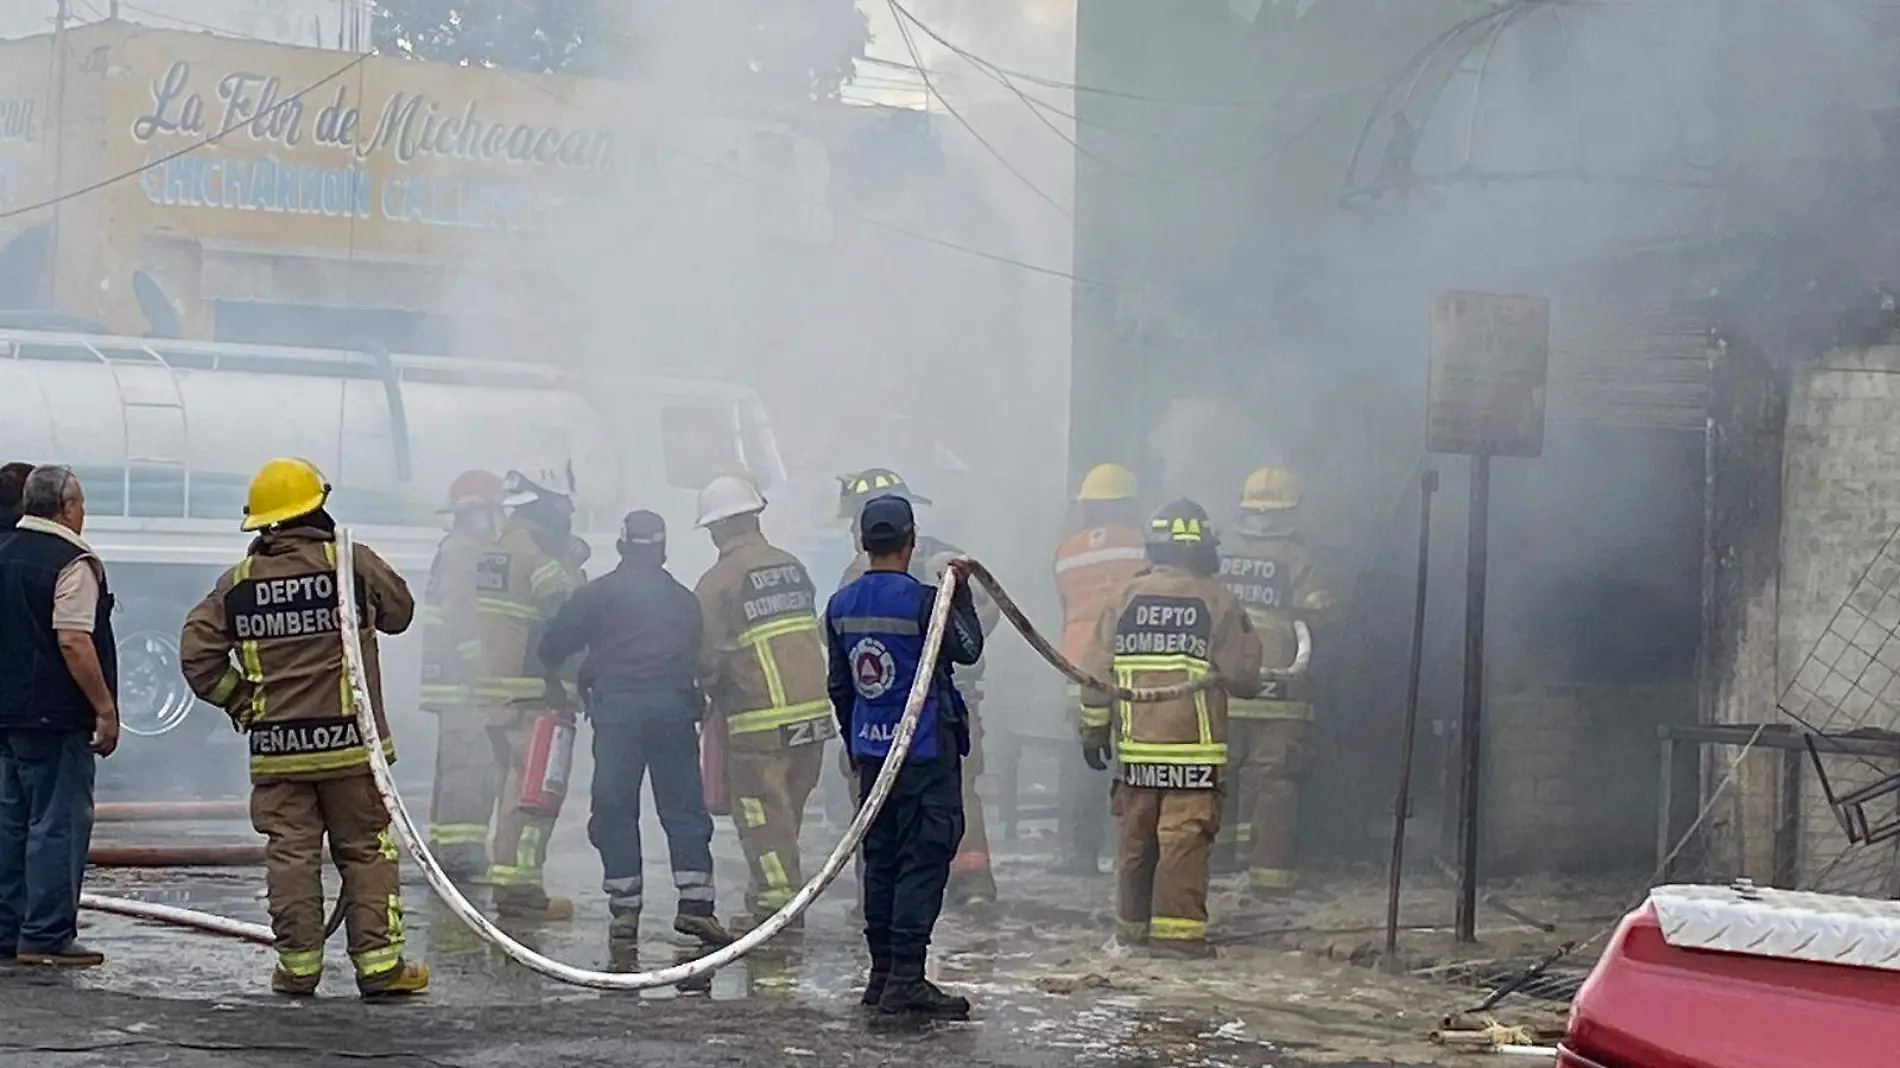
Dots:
pixel 880 976
pixel 908 992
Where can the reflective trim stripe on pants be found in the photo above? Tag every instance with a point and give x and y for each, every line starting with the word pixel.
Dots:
pixel 770 788
pixel 1161 859
pixel 295 818
pixel 1266 764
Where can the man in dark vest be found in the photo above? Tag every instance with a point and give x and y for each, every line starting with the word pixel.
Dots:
pixel 58 709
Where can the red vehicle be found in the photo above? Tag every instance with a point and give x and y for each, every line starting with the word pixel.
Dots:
pixel 1740 977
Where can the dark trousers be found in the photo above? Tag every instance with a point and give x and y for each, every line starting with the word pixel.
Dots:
pixel 907 854
pixel 626 748
pixel 1084 795
pixel 45 832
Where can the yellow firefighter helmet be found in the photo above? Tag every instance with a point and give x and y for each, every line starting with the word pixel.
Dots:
pixel 1270 489
pixel 1107 482
pixel 284 489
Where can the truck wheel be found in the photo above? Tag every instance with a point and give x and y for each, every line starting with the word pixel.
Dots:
pixel 153 698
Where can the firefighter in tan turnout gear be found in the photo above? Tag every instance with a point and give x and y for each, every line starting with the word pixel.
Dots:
pixel 520 582
pixel 265 646
pixel 762 667
pixel 1091 567
pixel 971 881
pixel 463 800
pixel 1270 572
pixel 1172 623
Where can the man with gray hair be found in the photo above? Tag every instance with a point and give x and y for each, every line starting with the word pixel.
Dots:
pixel 58 708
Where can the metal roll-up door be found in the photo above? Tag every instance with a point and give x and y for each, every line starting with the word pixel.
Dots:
pixel 1631 367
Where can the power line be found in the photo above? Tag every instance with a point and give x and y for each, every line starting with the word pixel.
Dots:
pixel 188 149
pixel 903 28
pixel 875 223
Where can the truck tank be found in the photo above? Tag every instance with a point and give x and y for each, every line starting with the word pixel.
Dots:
pixel 165 436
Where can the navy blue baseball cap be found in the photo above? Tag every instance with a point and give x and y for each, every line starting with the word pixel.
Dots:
pixel 642 528
pixel 886 519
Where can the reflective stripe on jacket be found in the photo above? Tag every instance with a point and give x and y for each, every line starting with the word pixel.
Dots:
pixel 451 650
pixel 1169 625
pixel 518 587
pixel 264 645
pixel 1274 579
pixel 1091 566
pixel 761 660
pixel 875 630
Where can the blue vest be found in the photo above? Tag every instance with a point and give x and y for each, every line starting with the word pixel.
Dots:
pixel 875 620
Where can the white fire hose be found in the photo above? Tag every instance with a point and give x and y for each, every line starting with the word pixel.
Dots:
pixel 840 854
pixel 445 888
pixel 203 921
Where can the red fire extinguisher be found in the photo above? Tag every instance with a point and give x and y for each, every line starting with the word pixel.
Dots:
pixel 550 760
pixel 712 766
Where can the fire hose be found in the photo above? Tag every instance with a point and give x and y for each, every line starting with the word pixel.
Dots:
pixel 962 570
pixel 445 888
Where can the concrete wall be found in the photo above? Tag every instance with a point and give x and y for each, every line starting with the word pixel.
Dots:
pixel 1841 503
pixel 1571 776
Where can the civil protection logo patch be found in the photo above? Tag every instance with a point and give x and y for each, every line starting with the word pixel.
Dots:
pixel 873 671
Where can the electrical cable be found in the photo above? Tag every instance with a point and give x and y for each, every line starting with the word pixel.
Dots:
pixel 910 44
pixel 188 149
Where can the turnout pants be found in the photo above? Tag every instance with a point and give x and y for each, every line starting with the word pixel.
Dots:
pixel 627 745
pixel 466 783
pixel 521 837
pixel 769 787
pixel 1161 863
pixel 907 853
pixel 970 870
pixel 1084 797
pixel 1265 755
pixel 294 818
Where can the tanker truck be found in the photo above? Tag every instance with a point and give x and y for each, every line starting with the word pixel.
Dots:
pixel 166 434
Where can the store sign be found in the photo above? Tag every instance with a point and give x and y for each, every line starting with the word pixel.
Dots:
pixel 404 156
pixel 1490 360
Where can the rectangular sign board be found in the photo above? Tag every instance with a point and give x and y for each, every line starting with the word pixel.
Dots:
pixel 1490 361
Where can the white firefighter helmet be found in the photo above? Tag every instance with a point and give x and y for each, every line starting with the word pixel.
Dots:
pixel 520 489
pixel 728 497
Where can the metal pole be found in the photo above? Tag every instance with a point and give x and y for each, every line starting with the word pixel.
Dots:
pixel 1470 742
pixel 57 128
pixel 1401 811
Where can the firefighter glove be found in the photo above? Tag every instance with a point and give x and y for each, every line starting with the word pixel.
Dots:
pixel 1097 755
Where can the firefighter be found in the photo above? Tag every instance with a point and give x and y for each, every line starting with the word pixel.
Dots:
pixel 263 645
pixel 762 667
pixel 875 633
pixel 520 581
pixel 1270 571
pixel 971 882
pixel 1173 622
pixel 463 799
pixel 1091 566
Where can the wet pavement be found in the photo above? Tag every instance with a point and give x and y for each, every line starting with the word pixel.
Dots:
pixel 1046 987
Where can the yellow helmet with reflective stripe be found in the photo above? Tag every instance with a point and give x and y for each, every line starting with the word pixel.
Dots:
pixel 1180 522
pixel 1270 489
pixel 282 490
pixel 1107 482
